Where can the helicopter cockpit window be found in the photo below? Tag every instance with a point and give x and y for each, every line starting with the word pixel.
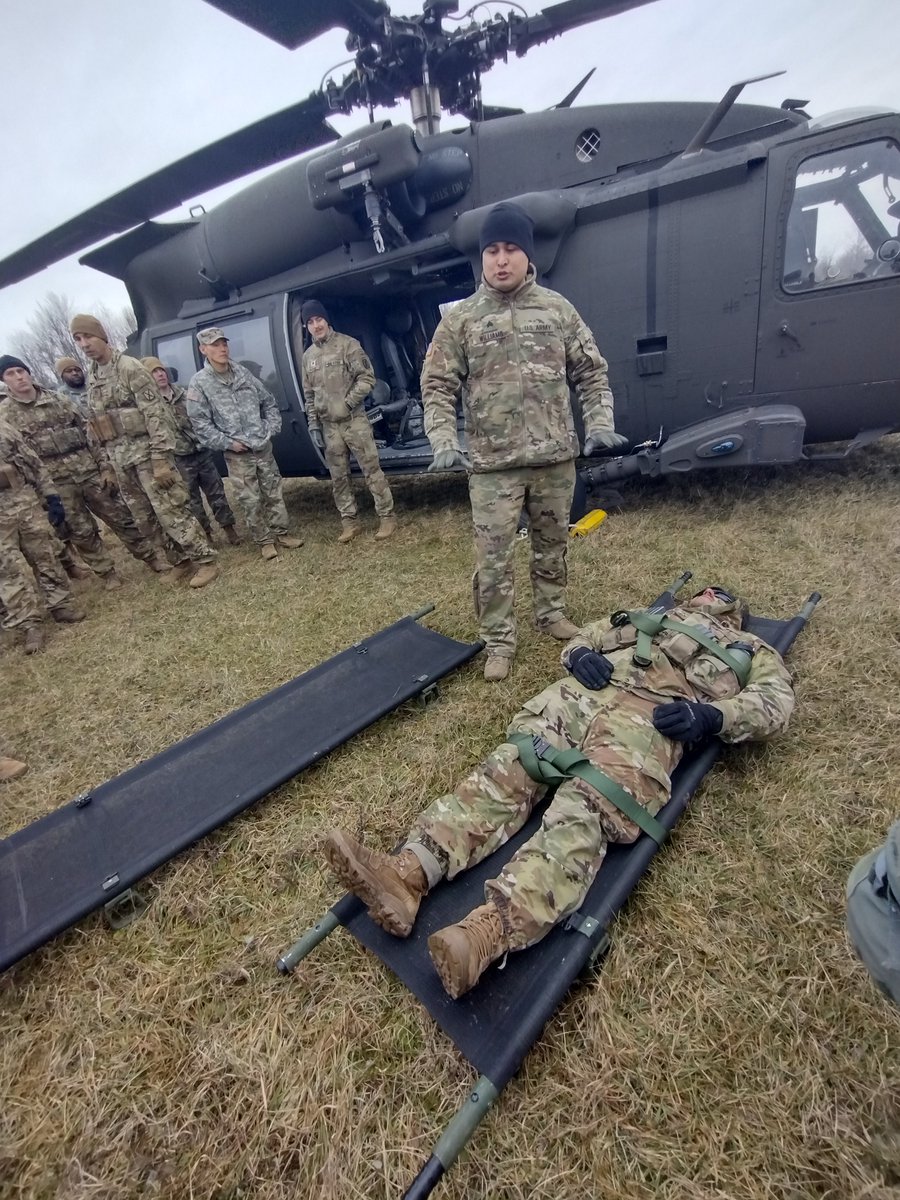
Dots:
pixel 178 352
pixel 250 343
pixel 843 222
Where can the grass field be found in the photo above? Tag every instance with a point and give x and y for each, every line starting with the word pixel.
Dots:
pixel 732 1048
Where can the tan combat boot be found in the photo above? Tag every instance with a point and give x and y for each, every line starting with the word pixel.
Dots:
pixel 159 563
pixel 289 541
pixel 204 574
pixel 11 768
pixel 75 570
pixel 563 629
pixel 496 668
pixel 34 639
pixel 231 536
pixel 67 616
pixel 268 551
pixel 178 574
pixel 349 530
pixel 386 528
pixel 111 581
pixel 462 953
pixel 390 885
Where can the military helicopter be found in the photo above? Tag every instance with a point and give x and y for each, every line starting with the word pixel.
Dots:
pixel 739 263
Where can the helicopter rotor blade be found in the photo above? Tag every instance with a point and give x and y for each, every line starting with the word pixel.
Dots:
pixel 559 18
pixel 270 140
pixel 290 23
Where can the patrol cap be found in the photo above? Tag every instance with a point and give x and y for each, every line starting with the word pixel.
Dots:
pixel 150 363
pixel 206 337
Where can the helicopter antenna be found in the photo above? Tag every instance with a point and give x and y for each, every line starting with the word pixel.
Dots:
pixel 703 134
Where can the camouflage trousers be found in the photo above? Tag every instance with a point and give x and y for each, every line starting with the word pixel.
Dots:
pixel 873 914
pixel 164 516
pixel 259 492
pixel 85 501
pixel 343 438
pixel 548 877
pixel 199 472
pixel 497 500
pixel 28 559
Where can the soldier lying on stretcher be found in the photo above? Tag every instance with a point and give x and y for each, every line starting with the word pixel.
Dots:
pixel 640 688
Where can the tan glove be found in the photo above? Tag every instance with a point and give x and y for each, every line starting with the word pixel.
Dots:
pixel 164 474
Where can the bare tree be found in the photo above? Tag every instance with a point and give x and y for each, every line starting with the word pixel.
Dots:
pixel 46 336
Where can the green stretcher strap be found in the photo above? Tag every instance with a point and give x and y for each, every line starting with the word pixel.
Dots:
pixel 649 624
pixel 545 764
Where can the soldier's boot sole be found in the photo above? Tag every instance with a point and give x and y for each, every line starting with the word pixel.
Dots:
pixel 392 900
pixel 290 542
pixel 348 533
pixel 11 768
pixel 34 640
pixel 204 574
pixel 461 953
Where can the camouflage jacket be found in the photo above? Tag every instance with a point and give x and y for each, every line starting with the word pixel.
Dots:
pixel 186 440
pixel 683 670
pixel 337 377
pixel 514 356
pixel 21 471
pixel 78 396
pixel 127 414
pixel 57 433
pixel 233 406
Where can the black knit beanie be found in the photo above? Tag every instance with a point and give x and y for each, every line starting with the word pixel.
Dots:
pixel 9 360
pixel 508 222
pixel 313 308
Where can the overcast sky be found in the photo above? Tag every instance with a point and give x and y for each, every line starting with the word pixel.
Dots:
pixel 98 94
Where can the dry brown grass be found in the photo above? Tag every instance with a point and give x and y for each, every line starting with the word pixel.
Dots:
pixel 732 1047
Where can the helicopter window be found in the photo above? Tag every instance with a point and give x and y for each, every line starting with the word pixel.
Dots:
pixel 250 342
pixel 177 352
pixel 843 222
pixel 587 145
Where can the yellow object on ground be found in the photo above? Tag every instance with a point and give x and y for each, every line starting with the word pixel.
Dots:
pixel 588 522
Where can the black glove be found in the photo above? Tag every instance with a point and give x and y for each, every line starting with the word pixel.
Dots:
pixel 687 721
pixel 592 670
pixel 56 514
pixel 318 439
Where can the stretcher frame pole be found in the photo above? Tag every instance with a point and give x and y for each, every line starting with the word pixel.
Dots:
pixel 454 1139
pixel 307 943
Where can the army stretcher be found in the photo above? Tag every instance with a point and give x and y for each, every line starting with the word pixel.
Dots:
pixel 80 857
pixel 495 1025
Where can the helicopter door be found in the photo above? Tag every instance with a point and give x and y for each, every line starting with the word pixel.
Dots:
pixel 830 297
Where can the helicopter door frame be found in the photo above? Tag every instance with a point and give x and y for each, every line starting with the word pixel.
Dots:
pixel 826 331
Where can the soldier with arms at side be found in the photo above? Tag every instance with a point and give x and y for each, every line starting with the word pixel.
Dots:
pixel 27 546
pixel 74 383
pixel 513 349
pixel 873 913
pixel 232 411
pixel 195 463
pixel 632 700
pixel 128 418
pixel 337 377
pixel 82 474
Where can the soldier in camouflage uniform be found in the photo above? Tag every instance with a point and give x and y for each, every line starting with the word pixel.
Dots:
pixel 873 913
pixel 195 464
pixel 513 349
pixel 230 410
pixel 27 546
pixel 81 473
pixel 337 377
pixel 74 384
pixel 631 721
pixel 129 419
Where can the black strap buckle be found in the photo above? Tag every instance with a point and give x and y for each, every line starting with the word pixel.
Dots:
pixel 619 618
pixel 640 661
pixel 541 745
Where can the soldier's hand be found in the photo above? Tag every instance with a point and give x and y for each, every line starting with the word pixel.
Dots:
pixel 591 669
pixel 603 439
pixel 164 474
pixel 687 721
pixel 108 481
pixel 446 460
pixel 237 448
pixel 318 439
pixel 56 514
